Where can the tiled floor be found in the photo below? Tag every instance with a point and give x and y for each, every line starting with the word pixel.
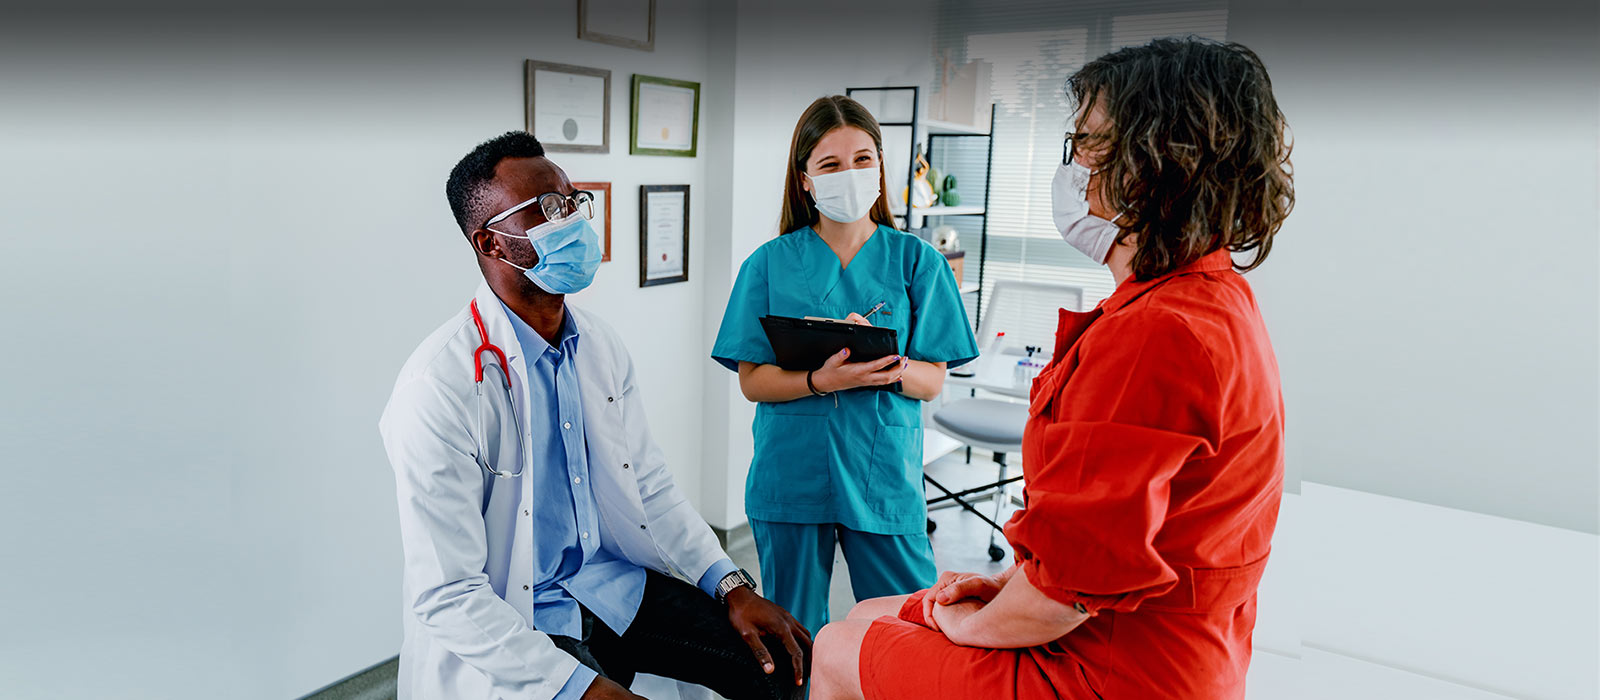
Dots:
pixel 960 542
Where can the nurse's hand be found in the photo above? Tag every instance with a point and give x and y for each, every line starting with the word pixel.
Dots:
pixel 858 319
pixel 837 374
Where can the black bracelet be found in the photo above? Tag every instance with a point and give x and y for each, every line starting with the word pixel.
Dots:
pixel 813 387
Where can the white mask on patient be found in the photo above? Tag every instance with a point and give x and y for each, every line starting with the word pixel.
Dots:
pixel 1069 203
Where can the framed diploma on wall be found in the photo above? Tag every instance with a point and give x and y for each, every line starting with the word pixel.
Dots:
pixel 602 212
pixel 666 117
pixel 629 23
pixel 663 234
pixel 569 107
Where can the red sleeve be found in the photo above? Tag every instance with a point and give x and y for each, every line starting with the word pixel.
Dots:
pixel 1143 401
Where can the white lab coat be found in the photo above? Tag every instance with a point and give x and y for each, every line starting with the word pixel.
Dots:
pixel 467 535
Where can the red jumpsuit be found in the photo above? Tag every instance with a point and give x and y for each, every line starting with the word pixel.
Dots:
pixel 1154 464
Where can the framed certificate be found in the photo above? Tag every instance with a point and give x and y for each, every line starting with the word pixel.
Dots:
pixel 569 107
pixel 666 117
pixel 628 23
pixel 602 212
pixel 663 234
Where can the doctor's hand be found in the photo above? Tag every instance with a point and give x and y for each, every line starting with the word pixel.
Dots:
pixel 757 619
pixel 837 375
pixel 857 319
pixel 606 689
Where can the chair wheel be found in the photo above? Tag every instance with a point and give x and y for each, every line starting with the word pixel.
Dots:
pixel 996 553
pixel 932 526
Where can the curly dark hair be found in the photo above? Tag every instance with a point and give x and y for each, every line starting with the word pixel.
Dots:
pixel 1196 152
pixel 466 189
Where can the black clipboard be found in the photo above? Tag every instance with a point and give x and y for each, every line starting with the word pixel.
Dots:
pixel 803 344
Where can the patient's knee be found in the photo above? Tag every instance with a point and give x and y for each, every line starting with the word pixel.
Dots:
pixel 874 608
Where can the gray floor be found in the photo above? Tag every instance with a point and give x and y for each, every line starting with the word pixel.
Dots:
pixel 960 543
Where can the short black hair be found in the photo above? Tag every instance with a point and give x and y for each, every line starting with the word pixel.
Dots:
pixel 469 180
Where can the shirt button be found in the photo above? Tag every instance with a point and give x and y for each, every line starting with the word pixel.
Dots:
pixel 524 588
pixel 624 466
pixel 567 425
pixel 577 480
pixel 586 535
pixel 524 512
pixel 609 399
pixel 641 527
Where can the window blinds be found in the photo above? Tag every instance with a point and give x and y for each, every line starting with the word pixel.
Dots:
pixel 1033 47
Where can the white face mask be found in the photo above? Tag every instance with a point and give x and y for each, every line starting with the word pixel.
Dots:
pixel 845 196
pixel 1069 201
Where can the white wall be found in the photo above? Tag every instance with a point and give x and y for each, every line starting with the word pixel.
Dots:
pixel 222 237
pixel 1433 298
pixel 784 57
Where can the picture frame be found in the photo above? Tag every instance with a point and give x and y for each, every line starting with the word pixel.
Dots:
pixel 565 105
pixel 627 23
pixel 602 212
pixel 663 234
pixel 665 117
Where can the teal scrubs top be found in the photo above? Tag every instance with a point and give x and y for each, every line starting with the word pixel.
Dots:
pixel 858 464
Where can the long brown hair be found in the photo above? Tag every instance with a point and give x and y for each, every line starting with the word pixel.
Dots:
pixel 823 116
pixel 1195 153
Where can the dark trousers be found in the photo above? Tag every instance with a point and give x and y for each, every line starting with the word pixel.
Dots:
pixel 683 634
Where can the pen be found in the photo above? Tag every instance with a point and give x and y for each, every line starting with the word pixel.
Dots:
pixel 874 310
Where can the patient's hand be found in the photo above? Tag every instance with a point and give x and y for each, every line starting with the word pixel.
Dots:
pixel 978 586
pixel 954 586
pixel 950 617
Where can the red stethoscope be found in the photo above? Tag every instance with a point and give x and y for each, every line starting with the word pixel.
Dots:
pixel 477 377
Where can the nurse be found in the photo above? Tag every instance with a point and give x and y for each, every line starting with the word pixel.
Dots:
pixel 838 452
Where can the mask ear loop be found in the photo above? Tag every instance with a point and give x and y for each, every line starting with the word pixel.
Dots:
pixel 509 235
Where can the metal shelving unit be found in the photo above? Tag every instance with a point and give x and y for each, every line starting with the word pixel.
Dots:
pixel 943 130
pixel 918 215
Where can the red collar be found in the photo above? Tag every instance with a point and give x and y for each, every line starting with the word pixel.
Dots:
pixel 1131 289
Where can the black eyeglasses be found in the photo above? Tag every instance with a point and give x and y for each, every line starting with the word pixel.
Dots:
pixel 553 205
pixel 1066 146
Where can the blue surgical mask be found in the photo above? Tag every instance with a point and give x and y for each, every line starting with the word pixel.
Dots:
pixel 569 253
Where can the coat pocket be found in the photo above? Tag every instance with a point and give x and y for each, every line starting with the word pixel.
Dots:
pixel 894 476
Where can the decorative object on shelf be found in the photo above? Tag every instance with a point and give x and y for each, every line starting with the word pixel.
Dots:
pixel 666 117
pixel 946 239
pixel 950 196
pixel 958 263
pixel 964 94
pixel 627 23
pixel 602 212
pixel 568 108
pixel 936 179
pixel 663 234
pixel 921 189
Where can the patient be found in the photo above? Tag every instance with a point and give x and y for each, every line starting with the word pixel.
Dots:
pixel 1154 448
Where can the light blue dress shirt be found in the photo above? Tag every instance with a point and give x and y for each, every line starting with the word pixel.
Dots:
pixel 570 566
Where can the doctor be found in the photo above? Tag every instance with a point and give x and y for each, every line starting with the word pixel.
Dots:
pixel 546 548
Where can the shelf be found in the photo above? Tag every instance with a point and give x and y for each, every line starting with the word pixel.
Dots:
pixel 969 288
pixel 963 210
pixel 939 127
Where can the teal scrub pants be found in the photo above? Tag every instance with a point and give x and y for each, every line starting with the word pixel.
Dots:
pixel 797 564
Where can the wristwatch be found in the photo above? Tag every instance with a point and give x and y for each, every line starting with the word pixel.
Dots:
pixel 733 580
